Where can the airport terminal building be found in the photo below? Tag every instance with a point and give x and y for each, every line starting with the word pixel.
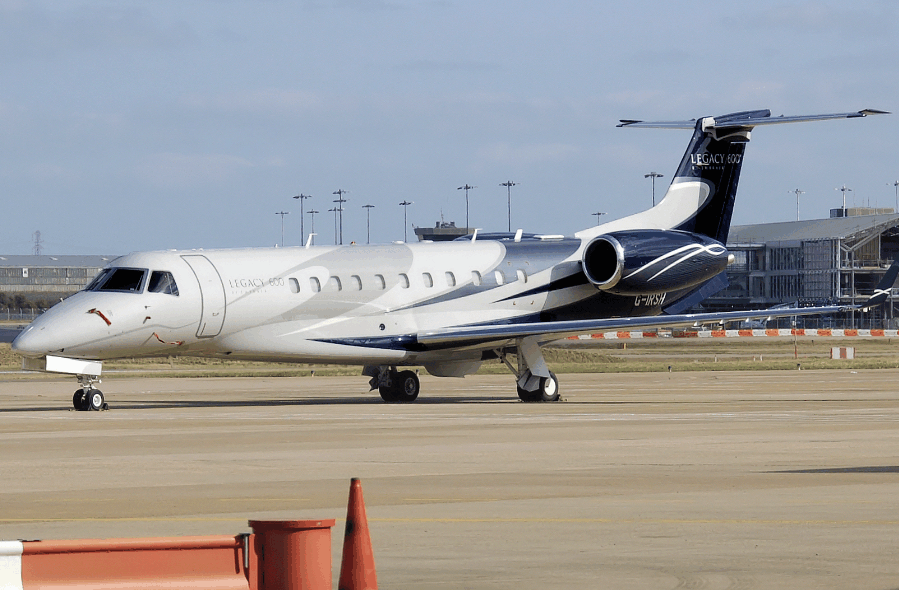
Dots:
pixel 813 262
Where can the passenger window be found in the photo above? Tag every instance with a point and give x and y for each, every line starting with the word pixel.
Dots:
pixel 428 279
pixel 522 276
pixel 127 280
pixel 294 285
pixel 450 279
pixel 334 284
pixel 380 283
pixel 162 281
pixel 404 280
pixel 500 277
pixel 475 278
pixel 355 283
pixel 315 284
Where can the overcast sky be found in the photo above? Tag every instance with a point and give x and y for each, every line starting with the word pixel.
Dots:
pixel 152 125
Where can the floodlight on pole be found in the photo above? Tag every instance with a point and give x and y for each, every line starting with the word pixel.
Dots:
pixel 598 215
pixel 368 209
pixel 896 184
pixel 282 214
pixel 334 209
pixel 312 213
pixel 340 192
pixel 405 205
pixel 844 189
pixel 509 184
pixel 653 175
pixel 466 187
pixel 797 192
pixel 302 198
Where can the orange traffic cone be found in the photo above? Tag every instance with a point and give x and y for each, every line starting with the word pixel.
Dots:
pixel 357 567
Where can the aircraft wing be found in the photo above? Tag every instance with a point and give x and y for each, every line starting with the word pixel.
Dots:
pixel 499 333
pixel 547 331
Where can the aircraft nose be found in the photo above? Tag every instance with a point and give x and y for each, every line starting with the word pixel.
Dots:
pixel 31 342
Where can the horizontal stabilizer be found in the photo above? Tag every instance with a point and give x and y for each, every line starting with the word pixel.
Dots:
pixel 746 119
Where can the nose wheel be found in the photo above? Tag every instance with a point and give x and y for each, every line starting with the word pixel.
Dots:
pixel 88 398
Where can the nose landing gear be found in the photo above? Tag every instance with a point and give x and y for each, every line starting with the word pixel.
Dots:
pixel 88 398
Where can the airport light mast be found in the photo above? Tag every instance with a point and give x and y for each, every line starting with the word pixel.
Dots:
pixel 302 198
pixel 340 192
pixel 466 187
pixel 368 209
pixel 509 184
pixel 653 175
pixel 896 184
pixel 312 213
pixel 797 193
pixel 405 204
pixel 282 214
pixel 844 189
pixel 598 215
pixel 334 209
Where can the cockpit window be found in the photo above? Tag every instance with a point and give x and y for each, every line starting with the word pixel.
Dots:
pixel 127 280
pixel 101 276
pixel 162 281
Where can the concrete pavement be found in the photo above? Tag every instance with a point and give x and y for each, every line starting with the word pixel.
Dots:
pixel 694 480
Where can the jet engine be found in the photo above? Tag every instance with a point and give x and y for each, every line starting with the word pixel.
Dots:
pixel 640 262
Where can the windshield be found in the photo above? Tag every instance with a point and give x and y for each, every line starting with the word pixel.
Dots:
pixel 123 280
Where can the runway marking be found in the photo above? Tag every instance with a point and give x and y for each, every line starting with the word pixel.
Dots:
pixel 449 500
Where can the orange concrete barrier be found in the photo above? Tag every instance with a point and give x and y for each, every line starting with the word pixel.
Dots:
pixel 293 554
pixel 289 555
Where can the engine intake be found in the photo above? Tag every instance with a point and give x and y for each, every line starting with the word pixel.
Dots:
pixel 640 262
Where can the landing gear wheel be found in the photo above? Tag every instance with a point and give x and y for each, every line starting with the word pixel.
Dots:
pixel 94 400
pixel 547 391
pixel 529 396
pixel 407 387
pixel 388 392
pixel 79 400
pixel 549 388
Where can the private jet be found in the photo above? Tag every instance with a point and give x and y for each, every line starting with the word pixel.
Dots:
pixel 447 307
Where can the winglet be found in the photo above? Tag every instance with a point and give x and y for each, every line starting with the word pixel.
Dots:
pixel 882 291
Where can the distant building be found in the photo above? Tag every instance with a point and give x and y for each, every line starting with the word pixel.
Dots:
pixel 48 274
pixel 815 262
pixel 443 231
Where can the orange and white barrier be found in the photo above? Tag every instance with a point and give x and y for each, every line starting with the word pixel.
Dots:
pixel 278 555
pixel 769 333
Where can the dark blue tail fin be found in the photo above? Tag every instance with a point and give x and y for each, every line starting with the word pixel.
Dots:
pixel 701 196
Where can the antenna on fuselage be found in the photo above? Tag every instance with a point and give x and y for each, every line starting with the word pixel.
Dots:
pixel 309 239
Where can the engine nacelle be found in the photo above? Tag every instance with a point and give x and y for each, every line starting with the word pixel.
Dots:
pixel 640 262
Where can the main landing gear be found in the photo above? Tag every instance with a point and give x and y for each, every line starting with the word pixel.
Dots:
pixel 396 386
pixel 88 398
pixel 535 382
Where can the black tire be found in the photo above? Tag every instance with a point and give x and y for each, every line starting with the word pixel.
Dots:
pixel 407 387
pixel 529 396
pixel 548 391
pixel 388 393
pixel 79 400
pixel 549 388
pixel 94 400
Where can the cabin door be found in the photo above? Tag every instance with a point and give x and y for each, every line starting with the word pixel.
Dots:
pixel 212 292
